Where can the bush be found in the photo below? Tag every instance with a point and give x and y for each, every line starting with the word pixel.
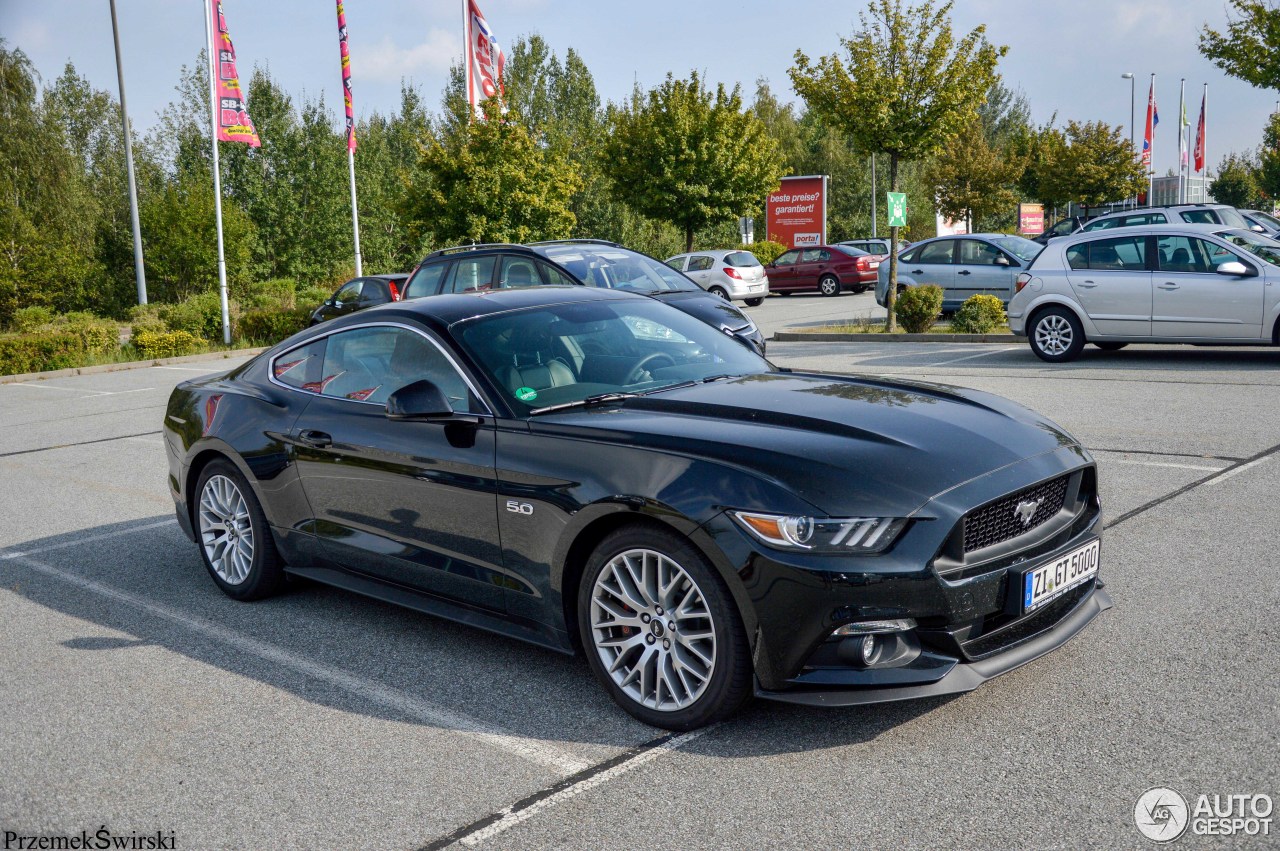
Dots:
pixel 97 336
pixel 766 252
pixel 919 307
pixel 166 344
pixel 28 319
pixel 273 294
pixel 312 297
pixel 199 315
pixel 980 314
pixel 40 352
pixel 269 327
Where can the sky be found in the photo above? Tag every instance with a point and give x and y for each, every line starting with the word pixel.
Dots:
pixel 1067 57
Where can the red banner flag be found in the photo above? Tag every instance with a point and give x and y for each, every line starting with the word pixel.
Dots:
pixel 1200 128
pixel 234 124
pixel 346 76
pixel 484 60
pixel 1153 118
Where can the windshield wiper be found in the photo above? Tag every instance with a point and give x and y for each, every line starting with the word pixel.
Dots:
pixel 683 385
pixel 589 402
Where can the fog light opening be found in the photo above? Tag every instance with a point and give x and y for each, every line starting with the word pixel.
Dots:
pixel 870 650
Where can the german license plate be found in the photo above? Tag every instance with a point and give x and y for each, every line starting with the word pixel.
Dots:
pixel 1047 582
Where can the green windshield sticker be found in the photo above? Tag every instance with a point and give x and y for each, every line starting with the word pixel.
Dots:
pixel 526 394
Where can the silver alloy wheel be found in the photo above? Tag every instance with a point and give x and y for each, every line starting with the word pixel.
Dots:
pixel 652 630
pixel 829 286
pixel 1054 335
pixel 226 531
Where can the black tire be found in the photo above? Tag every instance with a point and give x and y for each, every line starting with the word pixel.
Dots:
pixel 265 575
pixel 729 683
pixel 829 285
pixel 783 292
pixel 755 302
pixel 720 292
pixel 1110 347
pixel 1055 335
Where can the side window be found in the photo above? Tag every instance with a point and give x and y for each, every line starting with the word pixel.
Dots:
pixel 975 253
pixel 350 291
pixel 1078 256
pixel 426 281
pixel 676 263
pixel 519 272
pixel 554 277
pixel 700 263
pixel 1217 255
pixel 1200 217
pixel 1188 254
pixel 374 292
pixel 369 364
pixel 811 255
pixel 300 368
pixel 824 255
pixel 909 256
pixel 939 252
pixel 788 258
pixel 471 274
pixel 1119 254
pixel 1101 224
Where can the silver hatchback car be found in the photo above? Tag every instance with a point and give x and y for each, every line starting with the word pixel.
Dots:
pixel 1156 284
pixel 733 275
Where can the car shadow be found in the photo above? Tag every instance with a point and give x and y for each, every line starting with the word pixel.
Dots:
pixel 150 585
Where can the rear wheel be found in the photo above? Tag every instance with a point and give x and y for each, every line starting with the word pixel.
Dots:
pixel 755 302
pixel 720 292
pixel 661 631
pixel 1056 335
pixel 234 539
pixel 1110 347
pixel 829 285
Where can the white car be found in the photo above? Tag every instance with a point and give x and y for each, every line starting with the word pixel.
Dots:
pixel 732 275
pixel 1169 283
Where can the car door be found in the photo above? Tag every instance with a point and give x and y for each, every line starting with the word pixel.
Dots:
pixel 782 273
pixel 983 269
pixel 700 269
pixel 1111 281
pixel 406 502
pixel 813 263
pixel 426 280
pixel 346 299
pixel 932 263
pixel 1191 299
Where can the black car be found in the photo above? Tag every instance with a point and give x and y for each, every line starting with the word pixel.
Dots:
pixel 359 293
pixel 593 262
pixel 587 469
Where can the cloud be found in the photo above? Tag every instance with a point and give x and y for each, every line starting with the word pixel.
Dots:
pixel 388 62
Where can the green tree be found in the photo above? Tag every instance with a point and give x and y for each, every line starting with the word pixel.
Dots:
pixel 486 180
pixel 1250 48
pixel 1040 148
pixel 689 156
pixel 1095 166
pixel 1237 182
pixel 973 180
pixel 1268 176
pixel 906 87
pixel 1005 115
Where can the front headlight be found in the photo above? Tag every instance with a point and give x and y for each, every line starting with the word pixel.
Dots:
pixel 823 534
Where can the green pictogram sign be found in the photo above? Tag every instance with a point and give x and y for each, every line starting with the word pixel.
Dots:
pixel 897 209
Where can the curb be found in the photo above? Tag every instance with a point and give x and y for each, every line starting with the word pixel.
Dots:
pixel 120 367
pixel 811 337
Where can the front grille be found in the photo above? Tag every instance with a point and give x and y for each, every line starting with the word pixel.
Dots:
pixel 996 639
pixel 997 522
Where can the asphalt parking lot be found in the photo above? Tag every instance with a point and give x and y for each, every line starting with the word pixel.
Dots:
pixel 136 696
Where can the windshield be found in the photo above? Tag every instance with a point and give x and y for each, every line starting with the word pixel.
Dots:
pixel 1024 249
pixel 565 353
pixel 1264 248
pixel 1265 218
pixel 616 268
pixel 850 250
pixel 1229 216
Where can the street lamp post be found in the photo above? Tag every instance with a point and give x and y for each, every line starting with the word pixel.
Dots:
pixel 1133 141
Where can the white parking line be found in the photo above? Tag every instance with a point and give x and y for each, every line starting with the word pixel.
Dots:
pixel 364 690
pixel 86 540
pixel 1168 464
pixel 1237 471
pixel 88 392
pixel 998 351
pixel 187 368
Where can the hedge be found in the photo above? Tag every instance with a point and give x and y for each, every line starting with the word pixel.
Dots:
pixel 980 314
pixel 40 352
pixel 919 307
pixel 166 344
pixel 272 326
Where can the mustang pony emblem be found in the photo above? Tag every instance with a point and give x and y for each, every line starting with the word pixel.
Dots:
pixel 1027 510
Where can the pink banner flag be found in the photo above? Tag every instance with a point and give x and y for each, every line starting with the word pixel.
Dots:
pixel 485 62
pixel 346 76
pixel 234 124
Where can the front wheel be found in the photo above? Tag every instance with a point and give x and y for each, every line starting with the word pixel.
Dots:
pixel 235 542
pixel 1056 335
pixel 755 302
pixel 828 285
pixel 661 632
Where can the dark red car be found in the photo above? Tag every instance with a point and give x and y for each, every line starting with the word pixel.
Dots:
pixel 829 269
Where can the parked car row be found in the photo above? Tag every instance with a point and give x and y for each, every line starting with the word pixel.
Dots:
pixel 963 266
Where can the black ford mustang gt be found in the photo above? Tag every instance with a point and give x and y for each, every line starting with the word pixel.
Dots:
pixel 583 468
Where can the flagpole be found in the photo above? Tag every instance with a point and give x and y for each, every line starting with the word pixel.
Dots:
pixel 355 216
pixel 1151 175
pixel 139 270
pixel 217 179
pixel 1182 114
pixel 466 61
pixel 1205 110
pixel 345 50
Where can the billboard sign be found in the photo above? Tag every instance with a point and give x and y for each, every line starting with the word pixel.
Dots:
pixel 1031 219
pixel 796 214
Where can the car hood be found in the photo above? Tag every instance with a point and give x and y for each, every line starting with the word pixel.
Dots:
pixel 703 305
pixel 847 446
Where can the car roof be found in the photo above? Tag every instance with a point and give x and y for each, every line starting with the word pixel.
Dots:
pixel 1199 228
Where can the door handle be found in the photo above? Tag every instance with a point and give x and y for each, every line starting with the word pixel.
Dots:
pixel 917 271
pixel 1088 285
pixel 317 439
pixel 964 272
pixel 1168 285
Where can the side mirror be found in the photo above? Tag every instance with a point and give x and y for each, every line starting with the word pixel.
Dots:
pixel 1234 268
pixel 1002 260
pixel 1258 229
pixel 421 400
pixel 335 303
